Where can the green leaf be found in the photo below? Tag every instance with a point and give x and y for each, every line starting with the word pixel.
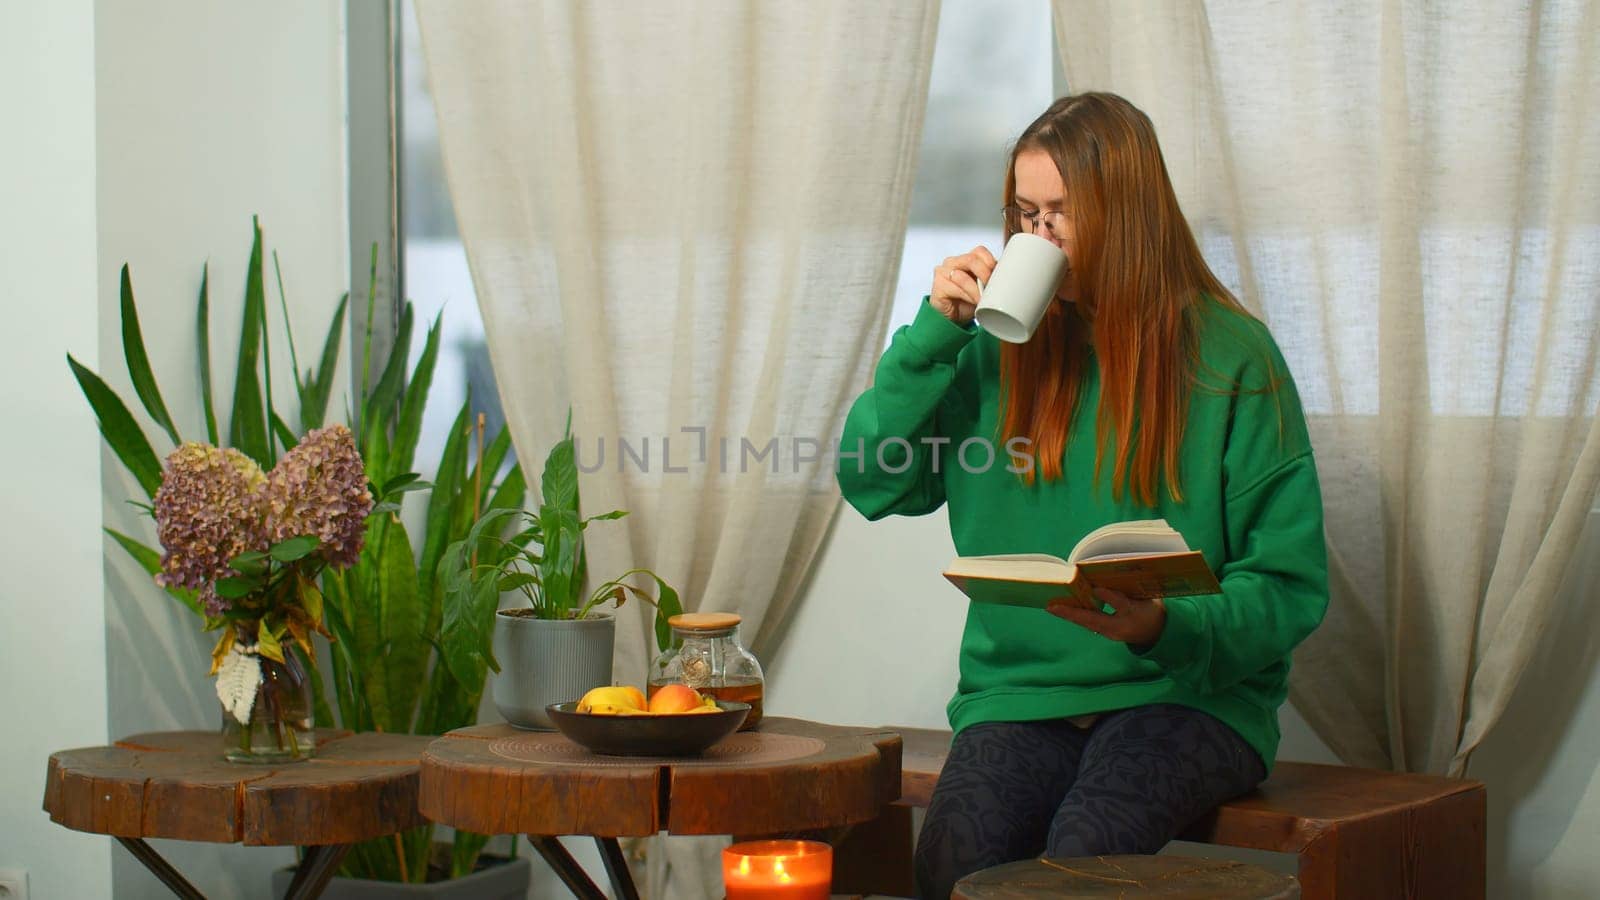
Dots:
pixel 385 506
pixel 237 586
pixel 310 598
pixel 408 428
pixel 281 429
pixel 266 379
pixel 150 560
pixel 378 410
pixel 323 716
pixel 268 644
pixel 247 430
pixel 144 381
pixel 516 581
pixel 400 481
pixel 288 329
pixel 509 495
pixel 558 567
pixel 605 517
pixel 464 853
pixel 559 486
pixel 364 608
pixel 202 336
pixel 314 395
pixel 120 430
pixel 401 616
pixel 469 609
pixel 493 455
pixel 446 485
pixel 401 484
pixel 251 562
pixel 294 548
pixel 667 606
pixel 353 711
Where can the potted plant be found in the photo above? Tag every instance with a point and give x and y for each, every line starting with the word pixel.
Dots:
pixel 382 669
pixel 558 646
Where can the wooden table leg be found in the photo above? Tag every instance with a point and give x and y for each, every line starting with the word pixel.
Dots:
pixel 617 869
pixel 311 877
pixel 161 868
pixel 572 874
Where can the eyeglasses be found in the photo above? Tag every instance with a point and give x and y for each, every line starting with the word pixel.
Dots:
pixel 1019 219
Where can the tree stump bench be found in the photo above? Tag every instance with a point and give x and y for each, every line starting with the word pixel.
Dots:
pixel 1117 877
pixel 1358 833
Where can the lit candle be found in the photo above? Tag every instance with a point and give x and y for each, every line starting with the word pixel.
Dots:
pixel 778 870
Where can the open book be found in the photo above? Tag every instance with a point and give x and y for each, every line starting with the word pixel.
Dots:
pixel 1143 559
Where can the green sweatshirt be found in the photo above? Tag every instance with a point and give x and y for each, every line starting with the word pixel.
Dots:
pixel 1251 505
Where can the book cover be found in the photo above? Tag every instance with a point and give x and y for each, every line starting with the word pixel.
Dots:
pixel 1143 560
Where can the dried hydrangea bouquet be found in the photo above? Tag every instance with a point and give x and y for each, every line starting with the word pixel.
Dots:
pixel 252 544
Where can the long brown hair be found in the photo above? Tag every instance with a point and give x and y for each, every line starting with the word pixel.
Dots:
pixel 1139 273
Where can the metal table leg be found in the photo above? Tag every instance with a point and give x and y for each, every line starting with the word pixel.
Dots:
pixel 572 874
pixel 617 869
pixel 311 877
pixel 161 868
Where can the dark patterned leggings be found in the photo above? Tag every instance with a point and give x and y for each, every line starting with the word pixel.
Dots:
pixel 1128 784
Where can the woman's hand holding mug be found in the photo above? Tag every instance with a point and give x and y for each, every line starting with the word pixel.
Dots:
pixel 1009 298
pixel 956 289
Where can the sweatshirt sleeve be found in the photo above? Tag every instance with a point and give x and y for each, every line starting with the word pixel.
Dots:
pixel 1274 586
pixel 1274 574
pixel 885 466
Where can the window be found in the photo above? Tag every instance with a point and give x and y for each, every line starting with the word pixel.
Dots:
pixel 993 64
pixel 993 72
pixel 437 279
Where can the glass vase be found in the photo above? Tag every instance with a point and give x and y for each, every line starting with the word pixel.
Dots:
pixel 280 728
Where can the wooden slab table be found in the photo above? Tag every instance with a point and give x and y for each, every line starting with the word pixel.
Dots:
pixel 177 785
pixel 786 776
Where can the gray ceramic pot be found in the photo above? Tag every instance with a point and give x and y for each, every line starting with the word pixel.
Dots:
pixel 545 661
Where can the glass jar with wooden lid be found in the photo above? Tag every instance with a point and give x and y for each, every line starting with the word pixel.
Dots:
pixel 709 658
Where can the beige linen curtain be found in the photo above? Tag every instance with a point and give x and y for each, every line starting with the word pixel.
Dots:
pixel 684 220
pixel 1409 193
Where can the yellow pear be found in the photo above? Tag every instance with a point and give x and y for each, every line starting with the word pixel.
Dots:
pixel 612 700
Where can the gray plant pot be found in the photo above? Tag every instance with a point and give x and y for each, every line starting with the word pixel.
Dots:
pixel 545 661
pixel 506 880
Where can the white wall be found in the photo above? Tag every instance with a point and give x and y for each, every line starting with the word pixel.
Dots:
pixel 874 643
pixel 52 649
pixel 207 113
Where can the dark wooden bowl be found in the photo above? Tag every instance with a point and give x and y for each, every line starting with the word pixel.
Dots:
pixel 648 734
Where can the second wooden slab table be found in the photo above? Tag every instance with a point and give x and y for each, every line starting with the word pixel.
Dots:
pixel 785 776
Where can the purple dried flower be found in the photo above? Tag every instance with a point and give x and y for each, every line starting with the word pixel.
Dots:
pixel 208 510
pixel 320 488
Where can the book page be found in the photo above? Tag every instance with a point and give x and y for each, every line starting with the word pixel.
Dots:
pixel 1021 557
pixel 1039 567
pixel 1126 539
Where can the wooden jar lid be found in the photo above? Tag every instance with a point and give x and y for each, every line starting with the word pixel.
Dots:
pixel 704 621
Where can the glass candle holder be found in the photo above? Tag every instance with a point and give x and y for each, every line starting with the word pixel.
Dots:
pixel 778 870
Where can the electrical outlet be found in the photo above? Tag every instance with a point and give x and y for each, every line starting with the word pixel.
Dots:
pixel 13 884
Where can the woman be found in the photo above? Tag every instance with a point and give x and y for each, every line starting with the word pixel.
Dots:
pixel 1147 392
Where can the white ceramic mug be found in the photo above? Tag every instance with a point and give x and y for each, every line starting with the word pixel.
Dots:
pixel 1021 288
